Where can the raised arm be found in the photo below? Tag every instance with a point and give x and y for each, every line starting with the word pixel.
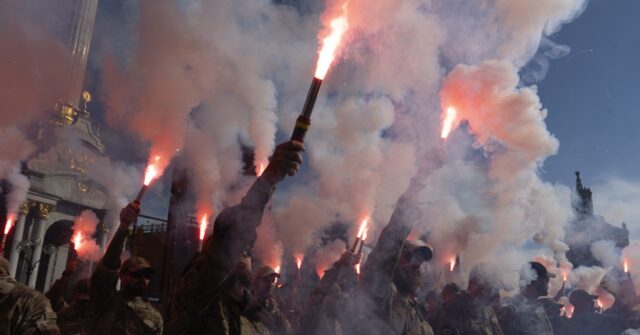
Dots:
pixel 233 236
pixel 105 276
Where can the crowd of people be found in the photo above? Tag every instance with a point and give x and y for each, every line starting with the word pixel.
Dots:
pixel 220 293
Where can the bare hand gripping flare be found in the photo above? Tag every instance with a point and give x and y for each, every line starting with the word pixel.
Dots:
pixel 326 56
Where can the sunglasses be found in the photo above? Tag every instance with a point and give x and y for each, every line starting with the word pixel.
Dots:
pixel 142 273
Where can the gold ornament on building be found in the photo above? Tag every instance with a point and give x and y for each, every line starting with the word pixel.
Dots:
pixel 24 208
pixel 86 99
pixel 82 187
pixel 66 114
pixel 44 210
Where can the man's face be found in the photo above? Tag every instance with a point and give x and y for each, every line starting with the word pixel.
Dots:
pixel 408 276
pixel 263 287
pixel 541 286
pixel 135 283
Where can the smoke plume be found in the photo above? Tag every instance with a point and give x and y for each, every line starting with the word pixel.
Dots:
pixel 85 225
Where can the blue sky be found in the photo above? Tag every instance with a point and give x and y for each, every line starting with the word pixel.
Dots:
pixel 593 95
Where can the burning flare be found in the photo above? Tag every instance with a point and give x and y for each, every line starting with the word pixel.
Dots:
pixel 260 169
pixel 153 170
pixel 452 264
pixel 11 218
pixel 203 226
pixel 331 42
pixel 77 241
pixel 447 124
pixel 299 259
pixel 626 266
pixel 363 228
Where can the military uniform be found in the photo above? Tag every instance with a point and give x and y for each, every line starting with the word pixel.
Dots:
pixel 77 317
pixel 523 316
pixel 116 313
pixel 200 304
pixel 325 312
pixel 73 320
pixel 466 316
pixel 391 312
pixel 23 310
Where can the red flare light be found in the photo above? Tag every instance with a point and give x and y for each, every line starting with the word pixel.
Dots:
pixel 358 268
pixel 11 218
pixel 260 169
pixel 299 259
pixel 331 42
pixel 452 264
pixel 203 226
pixel 626 266
pixel 599 304
pixel 565 276
pixel 449 120
pixel 77 241
pixel 277 268
pixel 363 228
pixel 153 170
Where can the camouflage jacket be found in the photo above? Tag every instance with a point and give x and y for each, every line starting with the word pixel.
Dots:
pixel 398 314
pixel 522 316
pixel 56 293
pixel 469 317
pixel 327 310
pixel 114 312
pixel 24 311
pixel 272 317
pixel 196 305
pixel 73 320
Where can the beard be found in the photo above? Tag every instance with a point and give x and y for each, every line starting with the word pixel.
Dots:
pixel 407 280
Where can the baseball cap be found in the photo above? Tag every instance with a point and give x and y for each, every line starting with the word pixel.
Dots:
pixel 136 264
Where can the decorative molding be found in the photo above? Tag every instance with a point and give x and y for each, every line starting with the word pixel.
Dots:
pixel 24 208
pixel 44 210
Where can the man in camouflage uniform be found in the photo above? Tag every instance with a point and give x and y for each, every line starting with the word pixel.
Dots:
pixel 326 310
pixel 470 312
pixel 262 288
pixel 523 314
pixel 76 318
pixel 23 310
pixel 213 293
pixel 392 274
pixel 56 293
pixel 125 311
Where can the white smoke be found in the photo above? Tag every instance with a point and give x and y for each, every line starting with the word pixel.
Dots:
pixel 224 73
pixel 19 189
pixel 606 252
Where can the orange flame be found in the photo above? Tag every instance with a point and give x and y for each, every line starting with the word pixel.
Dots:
pixel 277 268
pixel 299 259
pixel 364 235
pixel 447 124
pixel 626 266
pixel 9 224
pixel 260 169
pixel 568 310
pixel 358 268
pixel 203 225
pixel 363 227
pixel 599 303
pixel 77 241
pixel 565 276
pixel 331 42
pixel 452 264
pixel 153 170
